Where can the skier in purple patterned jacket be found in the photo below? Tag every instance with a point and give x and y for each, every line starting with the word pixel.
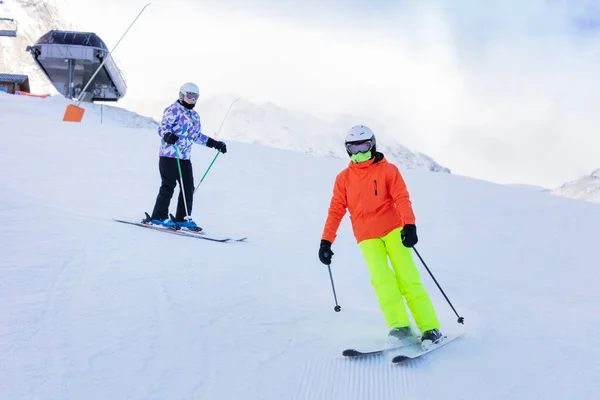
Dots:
pixel 179 129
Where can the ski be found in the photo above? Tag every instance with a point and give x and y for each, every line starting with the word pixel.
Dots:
pixel 198 231
pixel 353 353
pixel 182 232
pixel 416 351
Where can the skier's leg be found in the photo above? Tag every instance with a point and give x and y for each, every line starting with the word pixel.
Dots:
pixel 409 282
pixel 188 185
pixel 168 176
pixel 384 283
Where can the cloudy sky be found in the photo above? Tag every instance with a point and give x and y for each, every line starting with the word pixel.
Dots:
pixel 507 91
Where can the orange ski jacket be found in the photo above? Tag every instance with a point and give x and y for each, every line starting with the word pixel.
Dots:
pixel 376 197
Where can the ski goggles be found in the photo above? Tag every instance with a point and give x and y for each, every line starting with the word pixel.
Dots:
pixel 358 147
pixel 192 96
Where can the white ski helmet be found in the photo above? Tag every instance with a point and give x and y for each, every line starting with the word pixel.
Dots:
pixel 190 89
pixel 360 139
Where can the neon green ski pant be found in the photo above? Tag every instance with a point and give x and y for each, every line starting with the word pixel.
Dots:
pixel 401 282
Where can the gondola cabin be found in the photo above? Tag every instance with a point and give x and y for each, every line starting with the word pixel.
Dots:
pixel 69 59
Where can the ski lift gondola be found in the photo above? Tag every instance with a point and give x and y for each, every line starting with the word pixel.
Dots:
pixel 71 59
pixel 8 27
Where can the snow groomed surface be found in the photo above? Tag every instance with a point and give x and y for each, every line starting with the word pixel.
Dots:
pixel 99 310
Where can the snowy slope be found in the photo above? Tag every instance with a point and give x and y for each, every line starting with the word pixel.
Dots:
pixel 94 113
pixel 34 18
pixel 585 188
pixel 91 309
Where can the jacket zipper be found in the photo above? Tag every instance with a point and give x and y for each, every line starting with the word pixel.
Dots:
pixel 375 187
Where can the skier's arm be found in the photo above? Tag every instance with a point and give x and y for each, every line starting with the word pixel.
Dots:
pixel 207 141
pixel 337 210
pixel 201 138
pixel 168 122
pixel 399 192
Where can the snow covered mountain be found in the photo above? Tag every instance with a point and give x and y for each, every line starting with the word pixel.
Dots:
pixel 95 310
pixel 274 126
pixel 585 188
pixel 34 18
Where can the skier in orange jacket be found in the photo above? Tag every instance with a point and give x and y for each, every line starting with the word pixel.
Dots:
pixel 383 223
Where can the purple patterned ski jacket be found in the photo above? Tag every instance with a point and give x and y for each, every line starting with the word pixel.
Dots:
pixel 184 123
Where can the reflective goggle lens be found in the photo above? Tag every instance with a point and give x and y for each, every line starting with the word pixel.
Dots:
pixel 355 148
pixel 192 96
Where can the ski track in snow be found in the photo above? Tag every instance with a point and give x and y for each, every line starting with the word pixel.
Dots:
pixel 371 378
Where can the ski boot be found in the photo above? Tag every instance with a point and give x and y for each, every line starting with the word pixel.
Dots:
pixel 166 223
pixel 398 337
pixel 188 224
pixel 431 338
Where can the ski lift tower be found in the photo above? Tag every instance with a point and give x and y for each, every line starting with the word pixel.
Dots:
pixel 8 27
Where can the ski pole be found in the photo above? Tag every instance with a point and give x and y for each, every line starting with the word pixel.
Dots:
pixel 337 308
pixel 213 161
pixel 216 136
pixel 461 320
pixel 225 117
pixel 187 217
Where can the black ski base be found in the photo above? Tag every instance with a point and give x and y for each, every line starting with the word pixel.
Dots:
pixel 356 353
pixel 353 353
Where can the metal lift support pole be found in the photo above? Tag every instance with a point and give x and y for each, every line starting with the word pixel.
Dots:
pixel 106 57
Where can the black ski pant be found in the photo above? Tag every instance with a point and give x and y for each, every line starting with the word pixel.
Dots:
pixel 169 174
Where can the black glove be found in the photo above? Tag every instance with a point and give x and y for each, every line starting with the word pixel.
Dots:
pixel 213 144
pixel 221 146
pixel 170 138
pixel 325 252
pixel 409 235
